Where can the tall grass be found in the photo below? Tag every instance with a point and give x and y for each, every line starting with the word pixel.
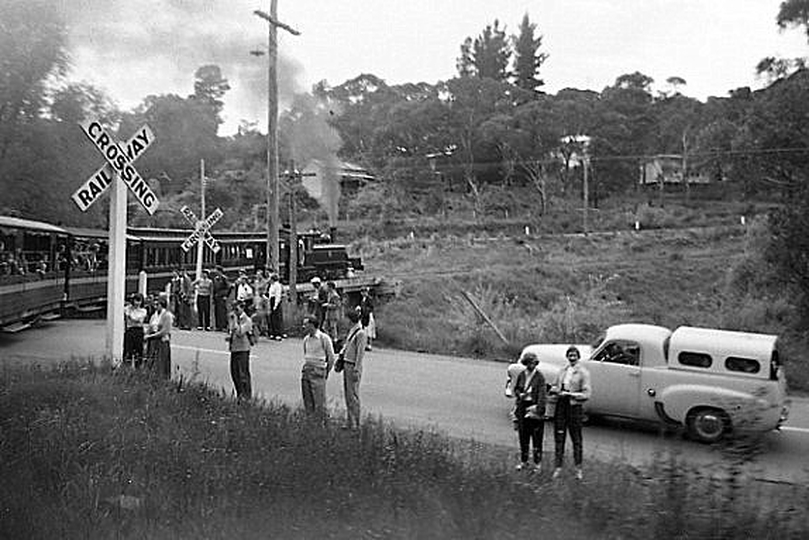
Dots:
pixel 90 453
pixel 570 288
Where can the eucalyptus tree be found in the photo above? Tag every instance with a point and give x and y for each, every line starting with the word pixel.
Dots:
pixel 528 140
pixel 626 125
pixel 678 120
pixel 470 102
pixel 356 107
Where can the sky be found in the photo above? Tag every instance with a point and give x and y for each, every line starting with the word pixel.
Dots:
pixel 132 49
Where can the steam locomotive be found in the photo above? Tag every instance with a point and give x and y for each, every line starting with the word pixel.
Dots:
pixel 46 269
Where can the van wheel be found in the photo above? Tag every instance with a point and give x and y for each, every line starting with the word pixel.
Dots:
pixel 708 425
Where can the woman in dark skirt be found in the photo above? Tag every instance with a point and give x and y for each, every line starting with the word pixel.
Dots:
pixel 159 338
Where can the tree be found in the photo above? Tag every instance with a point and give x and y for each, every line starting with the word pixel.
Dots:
pixel 356 108
pixel 794 13
pixel 625 125
pixel 210 87
pixel 527 57
pixel 471 101
pixel 465 64
pixel 78 101
pixel 788 249
pixel 678 121
pixel 33 41
pixel 185 132
pixel 487 56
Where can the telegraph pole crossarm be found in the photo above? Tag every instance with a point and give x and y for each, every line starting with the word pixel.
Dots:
pixel 272 20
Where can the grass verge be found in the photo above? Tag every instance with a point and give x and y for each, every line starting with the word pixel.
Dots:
pixel 86 452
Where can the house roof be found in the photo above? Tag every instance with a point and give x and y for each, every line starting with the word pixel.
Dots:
pixel 347 170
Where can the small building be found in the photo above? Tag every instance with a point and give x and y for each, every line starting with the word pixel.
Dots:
pixel 668 169
pixel 317 173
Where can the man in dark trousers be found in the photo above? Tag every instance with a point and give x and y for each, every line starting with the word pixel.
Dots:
pixel 221 290
pixel 240 329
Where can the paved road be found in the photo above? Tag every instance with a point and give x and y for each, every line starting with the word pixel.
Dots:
pixel 460 397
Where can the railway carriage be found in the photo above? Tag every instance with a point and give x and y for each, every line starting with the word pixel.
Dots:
pixel 47 270
pixel 33 271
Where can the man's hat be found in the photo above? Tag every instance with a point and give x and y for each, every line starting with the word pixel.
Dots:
pixel 315 280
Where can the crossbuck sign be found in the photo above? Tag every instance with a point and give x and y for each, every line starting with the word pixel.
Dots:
pixel 119 163
pixel 201 228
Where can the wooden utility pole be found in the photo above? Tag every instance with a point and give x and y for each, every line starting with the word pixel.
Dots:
pixel 201 242
pixel 272 133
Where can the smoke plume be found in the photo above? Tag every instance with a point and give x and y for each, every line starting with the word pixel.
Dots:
pixel 155 47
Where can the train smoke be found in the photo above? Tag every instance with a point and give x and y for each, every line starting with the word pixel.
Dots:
pixel 159 44
pixel 313 140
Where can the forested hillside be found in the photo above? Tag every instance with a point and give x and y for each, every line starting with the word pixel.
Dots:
pixel 487 146
pixel 460 147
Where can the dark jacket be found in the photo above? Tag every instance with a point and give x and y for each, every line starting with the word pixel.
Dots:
pixel 534 394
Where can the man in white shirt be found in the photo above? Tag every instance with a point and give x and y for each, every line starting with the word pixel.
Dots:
pixel 318 359
pixel 276 315
pixel 244 293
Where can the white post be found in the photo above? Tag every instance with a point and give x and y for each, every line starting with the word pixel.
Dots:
pixel 143 283
pixel 586 194
pixel 201 244
pixel 116 271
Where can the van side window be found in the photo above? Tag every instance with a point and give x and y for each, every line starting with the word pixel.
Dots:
pixel 743 365
pixel 694 359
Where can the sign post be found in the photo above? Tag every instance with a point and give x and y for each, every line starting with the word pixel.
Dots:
pixel 201 233
pixel 119 158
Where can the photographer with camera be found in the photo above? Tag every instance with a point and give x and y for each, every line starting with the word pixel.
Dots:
pixel 240 340
pixel 349 361
pixel 529 394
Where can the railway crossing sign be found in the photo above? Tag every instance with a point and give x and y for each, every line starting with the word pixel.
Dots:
pixel 201 229
pixel 119 165
pixel 120 159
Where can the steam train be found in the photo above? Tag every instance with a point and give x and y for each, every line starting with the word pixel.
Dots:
pixel 46 270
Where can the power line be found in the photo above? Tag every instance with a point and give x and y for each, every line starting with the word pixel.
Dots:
pixel 480 166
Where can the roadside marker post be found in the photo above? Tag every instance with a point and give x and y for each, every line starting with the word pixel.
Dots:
pixel 119 166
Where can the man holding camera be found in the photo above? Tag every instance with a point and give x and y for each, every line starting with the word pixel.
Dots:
pixel 349 361
pixel 239 338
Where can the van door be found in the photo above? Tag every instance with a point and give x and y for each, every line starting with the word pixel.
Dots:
pixel 616 376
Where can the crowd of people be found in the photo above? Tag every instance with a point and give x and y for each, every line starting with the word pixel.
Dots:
pixel 245 309
pixel 561 399
pixel 248 308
